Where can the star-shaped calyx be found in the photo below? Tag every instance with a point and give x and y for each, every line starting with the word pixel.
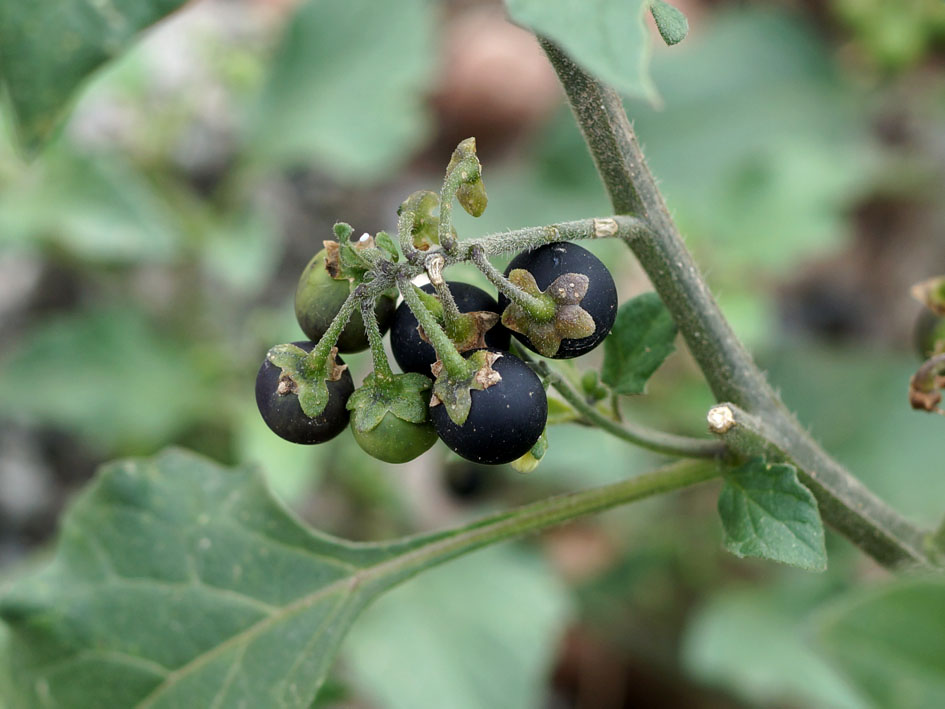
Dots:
pixel 454 393
pixel 306 377
pixel 405 396
pixel 570 321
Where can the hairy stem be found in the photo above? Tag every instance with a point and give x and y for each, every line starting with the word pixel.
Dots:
pixel 536 307
pixel 454 363
pixel 727 366
pixel 382 368
pixel 321 351
pixel 546 513
pixel 642 436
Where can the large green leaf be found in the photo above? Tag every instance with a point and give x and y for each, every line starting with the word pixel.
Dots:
pixel 98 208
pixel 109 375
pixel 641 339
pixel 753 643
pixel 891 643
pixel 347 87
pixel 49 47
pixel 767 513
pixel 497 614
pixel 178 583
pixel 607 37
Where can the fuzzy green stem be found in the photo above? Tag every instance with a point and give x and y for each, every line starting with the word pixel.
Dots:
pixel 457 368
pixel 382 370
pixel 850 507
pixel 405 222
pixel 320 352
pixel 726 364
pixel 537 308
pixel 542 515
pixel 451 184
pixel 642 436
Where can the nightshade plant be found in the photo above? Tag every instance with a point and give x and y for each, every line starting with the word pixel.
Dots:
pixel 177 541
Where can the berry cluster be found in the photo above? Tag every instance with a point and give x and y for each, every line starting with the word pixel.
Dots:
pixel 459 381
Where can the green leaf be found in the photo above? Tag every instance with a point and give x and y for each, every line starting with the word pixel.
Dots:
pixel 767 513
pixel 753 643
pixel 179 583
pixel 47 51
pixel 308 111
pixel 505 612
pixel 111 376
pixel 607 37
pixel 891 643
pixel 96 207
pixel 670 21
pixel 641 339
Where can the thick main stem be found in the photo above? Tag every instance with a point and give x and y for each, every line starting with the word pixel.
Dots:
pixel 727 366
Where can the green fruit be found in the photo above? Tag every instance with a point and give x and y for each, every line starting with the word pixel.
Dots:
pixel 394 440
pixel 929 334
pixel 318 299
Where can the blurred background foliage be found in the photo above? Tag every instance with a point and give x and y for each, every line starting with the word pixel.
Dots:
pixel 148 259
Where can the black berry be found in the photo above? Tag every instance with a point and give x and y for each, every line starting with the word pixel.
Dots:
pixel 281 411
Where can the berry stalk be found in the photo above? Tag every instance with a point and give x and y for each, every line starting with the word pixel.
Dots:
pixel 541 309
pixel 456 366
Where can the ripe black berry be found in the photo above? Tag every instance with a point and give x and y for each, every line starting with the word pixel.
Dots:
pixel 281 411
pixel 318 299
pixel 504 420
pixel 547 263
pixel 413 354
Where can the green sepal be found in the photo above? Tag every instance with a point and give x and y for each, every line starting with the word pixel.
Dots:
pixel 471 193
pixel 424 224
pixel 528 462
pixel 468 332
pixel 406 396
pixel 569 321
pixel 386 244
pixel 670 21
pixel 348 260
pixel 455 394
pixel 342 231
pixel 308 379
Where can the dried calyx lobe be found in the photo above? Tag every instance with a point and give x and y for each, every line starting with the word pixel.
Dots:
pixel 504 421
pixel 281 411
pixel 413 354
pixel 550 261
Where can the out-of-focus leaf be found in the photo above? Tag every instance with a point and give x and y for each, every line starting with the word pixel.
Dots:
pixel 767 513
pixel 607 37
pixel 98 208
pixel 853 400
pixel 891 643
pixel 641 339
pixel 761 147
pixel 243 250
pixel 346 88
pixel 47 50
pixel 290 469
pixel 496 615
pixel 108 375
pixel 753 643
